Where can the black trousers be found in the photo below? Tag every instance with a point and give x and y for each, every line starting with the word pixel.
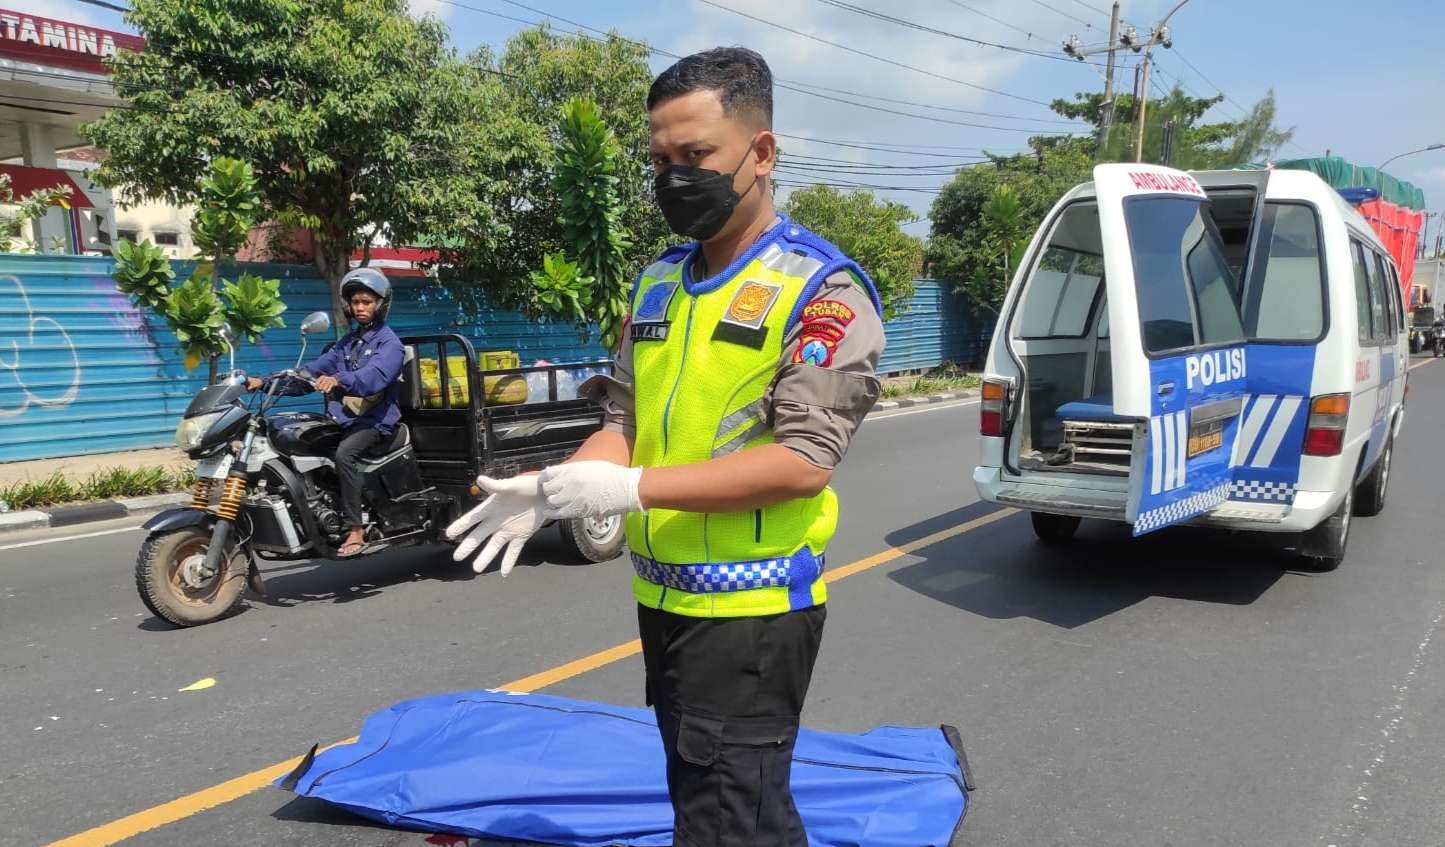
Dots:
pixel 348 469
pixel 728 693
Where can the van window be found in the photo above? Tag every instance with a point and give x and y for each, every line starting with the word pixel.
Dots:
pixel 1399 298
pixel 1362 292
pixel 1285 297
pixel 1058 298
pixel 1379 319
pixel 1171 292
pixel 1391 288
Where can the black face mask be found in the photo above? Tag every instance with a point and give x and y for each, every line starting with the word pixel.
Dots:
pixel 697 202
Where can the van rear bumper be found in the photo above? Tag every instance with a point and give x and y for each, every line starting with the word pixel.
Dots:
pixel 1310 508
pixel 1047 497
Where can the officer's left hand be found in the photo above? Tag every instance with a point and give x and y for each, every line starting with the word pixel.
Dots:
pixel 324 384
pixel 590 489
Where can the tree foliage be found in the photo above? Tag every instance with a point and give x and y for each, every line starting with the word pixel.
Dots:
pixel 356 118
pixel 965 244
pixel 194 310
pixel 870 231
pixel 536 73
pixel 978 236
pixel 586 180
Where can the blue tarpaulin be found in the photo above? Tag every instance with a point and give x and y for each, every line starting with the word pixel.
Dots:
pixel 550 770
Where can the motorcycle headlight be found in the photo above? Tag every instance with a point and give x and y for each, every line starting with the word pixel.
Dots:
pixel 191 431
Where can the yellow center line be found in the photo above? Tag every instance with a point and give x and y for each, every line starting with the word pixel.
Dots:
pixel 234 789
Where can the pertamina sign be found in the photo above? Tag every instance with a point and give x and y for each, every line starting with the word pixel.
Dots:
pixel 43 41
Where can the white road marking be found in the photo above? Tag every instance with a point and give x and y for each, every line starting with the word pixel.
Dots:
pixel 1390 720
pixel 936 407
pixel 42 541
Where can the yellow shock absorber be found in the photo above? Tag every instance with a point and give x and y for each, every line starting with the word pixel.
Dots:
pixel 201 494
pixel 233 491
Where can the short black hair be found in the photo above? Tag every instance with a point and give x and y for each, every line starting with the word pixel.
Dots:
pixel 740 77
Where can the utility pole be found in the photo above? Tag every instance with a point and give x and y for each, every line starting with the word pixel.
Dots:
pixel 1158 35
pixel 1117 41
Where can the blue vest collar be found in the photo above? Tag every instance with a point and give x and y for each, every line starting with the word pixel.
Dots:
pixel 722 277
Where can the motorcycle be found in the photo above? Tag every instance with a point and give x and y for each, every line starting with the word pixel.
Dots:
pixel 1439 340
pixel 266 486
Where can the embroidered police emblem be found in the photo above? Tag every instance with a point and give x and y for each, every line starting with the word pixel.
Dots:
pixel 652 305
pixel 751 304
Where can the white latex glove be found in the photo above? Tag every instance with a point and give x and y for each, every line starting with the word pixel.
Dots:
pixel 590 490
pixel 510 516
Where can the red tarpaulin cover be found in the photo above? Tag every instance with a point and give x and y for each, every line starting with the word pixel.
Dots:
pixel 1399 228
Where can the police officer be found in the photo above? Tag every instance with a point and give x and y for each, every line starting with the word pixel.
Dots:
pixel 747 365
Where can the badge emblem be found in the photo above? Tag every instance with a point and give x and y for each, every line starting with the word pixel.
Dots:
pixel 814 351
pixel 652 305
pixel 751 304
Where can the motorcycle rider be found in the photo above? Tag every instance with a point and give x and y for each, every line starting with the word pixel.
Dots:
pixel 363 369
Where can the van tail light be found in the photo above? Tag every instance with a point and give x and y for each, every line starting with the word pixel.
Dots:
pixel 1325 432
pixel 994 408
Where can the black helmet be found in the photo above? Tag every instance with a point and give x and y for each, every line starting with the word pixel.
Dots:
pixel 367 279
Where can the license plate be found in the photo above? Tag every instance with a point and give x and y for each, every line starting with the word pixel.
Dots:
pixel 1211 438
pixel 215 467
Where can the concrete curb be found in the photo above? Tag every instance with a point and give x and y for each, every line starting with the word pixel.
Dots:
pixel 81 513
pixel 929 400
pixel 102 510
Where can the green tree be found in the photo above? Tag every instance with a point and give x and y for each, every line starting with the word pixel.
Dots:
pixel 966 246
pixel 536 73
pixel 357 118
pixel 586 182
pixel 1197 145
pixel 196 310
pixel 870 231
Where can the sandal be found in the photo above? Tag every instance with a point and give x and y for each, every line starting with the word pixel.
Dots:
pixel 350 549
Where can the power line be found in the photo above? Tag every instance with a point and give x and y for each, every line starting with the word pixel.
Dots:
pixel 792 85
pixel 870 13
pixel 917 104
pixel 887 110
pixel 920 150
pixel 848 163
pixel 1001 21
pixel 1086 24
pixel 1093 8
pixel 872 56
pixel 104 5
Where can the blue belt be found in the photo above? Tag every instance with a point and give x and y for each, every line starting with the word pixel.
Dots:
pixel 797 573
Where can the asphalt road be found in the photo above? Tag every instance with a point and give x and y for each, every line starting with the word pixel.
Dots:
pixel 1190 688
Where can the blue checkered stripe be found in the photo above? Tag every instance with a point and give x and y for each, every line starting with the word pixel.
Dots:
pixel 722 576
pixel 1260 491
pixel 1181 509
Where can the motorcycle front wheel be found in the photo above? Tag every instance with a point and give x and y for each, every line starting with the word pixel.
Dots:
pixel 170 576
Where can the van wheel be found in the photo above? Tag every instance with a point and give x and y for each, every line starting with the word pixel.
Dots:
pixel 1323 548
pixel 1054 529
pixel 1370 493
pixel 593 539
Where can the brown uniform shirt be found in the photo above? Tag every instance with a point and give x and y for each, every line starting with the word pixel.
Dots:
pixel 815 402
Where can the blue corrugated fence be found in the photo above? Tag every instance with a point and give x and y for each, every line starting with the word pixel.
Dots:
pixel 83 371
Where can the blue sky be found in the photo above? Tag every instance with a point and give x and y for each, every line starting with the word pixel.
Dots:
pixel 1362 81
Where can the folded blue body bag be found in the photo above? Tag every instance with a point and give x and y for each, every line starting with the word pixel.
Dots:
pixel 549 770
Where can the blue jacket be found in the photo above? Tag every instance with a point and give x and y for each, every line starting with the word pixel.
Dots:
pixel 367 361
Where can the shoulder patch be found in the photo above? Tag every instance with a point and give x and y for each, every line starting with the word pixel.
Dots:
pixel 814 350
pixel 654 300
pixel 836 311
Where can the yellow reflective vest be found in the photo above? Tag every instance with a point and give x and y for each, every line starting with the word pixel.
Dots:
pixel 703 354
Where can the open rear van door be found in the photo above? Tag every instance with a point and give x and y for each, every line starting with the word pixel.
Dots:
pixel 1178 344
